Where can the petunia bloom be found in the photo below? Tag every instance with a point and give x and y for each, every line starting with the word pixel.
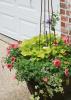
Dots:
pixel 9 66
pixel 65 39
pixel 13 59
pixel 66 72
pixel 14 45
pixel 57 63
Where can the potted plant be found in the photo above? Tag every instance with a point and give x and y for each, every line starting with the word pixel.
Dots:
pixel 43 61
pixel 45 68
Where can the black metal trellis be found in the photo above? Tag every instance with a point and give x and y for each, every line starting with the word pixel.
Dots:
pixel 44 18
pixel 50 26
pixel 49 20
pixel 50 16
pixel 40 22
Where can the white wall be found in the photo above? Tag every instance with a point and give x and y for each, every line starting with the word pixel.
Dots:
pixel 19 19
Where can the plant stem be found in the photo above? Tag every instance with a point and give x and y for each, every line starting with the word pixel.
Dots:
pixel 49 19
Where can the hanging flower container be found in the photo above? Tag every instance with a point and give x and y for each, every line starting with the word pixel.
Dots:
pixel 46 69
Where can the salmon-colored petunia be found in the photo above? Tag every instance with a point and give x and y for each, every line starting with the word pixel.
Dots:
pixel 13 59
pixel 14 45
pixel 65 39
pixel 9 66
pixel 66 72
pixel 57 63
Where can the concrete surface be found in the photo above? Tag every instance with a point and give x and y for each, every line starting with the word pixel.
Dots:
pixel 10 89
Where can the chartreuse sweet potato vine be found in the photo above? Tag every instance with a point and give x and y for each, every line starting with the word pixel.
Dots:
pixel 31 47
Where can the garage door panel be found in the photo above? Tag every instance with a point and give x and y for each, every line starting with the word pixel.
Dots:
pixel 33 4
pixel 36 5
pixel 26 3
pixel 8 1
pixel 7 22
pixel 32 29
pixel 7 9
pixel 19 19
pixel 28 14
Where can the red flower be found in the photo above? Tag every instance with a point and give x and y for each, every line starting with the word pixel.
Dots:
pixel 66 72
pixel 45 79
pixel 14 46
pixel 13 59
pixel 9 66
pixel 65 39
pixel 57 63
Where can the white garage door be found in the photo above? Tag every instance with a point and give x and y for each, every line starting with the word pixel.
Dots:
pixel 19 19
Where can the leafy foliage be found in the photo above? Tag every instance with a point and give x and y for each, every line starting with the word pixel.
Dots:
pixel 44 66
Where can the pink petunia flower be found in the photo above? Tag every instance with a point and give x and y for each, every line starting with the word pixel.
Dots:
pixel 9 66
pixel 13 59
pixel 57 63
pixel 14 45
pixel 65 39
pixel 66 72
